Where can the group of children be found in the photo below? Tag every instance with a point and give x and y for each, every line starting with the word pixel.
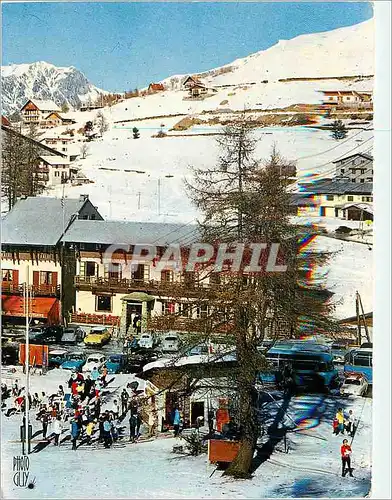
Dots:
pixel 345 423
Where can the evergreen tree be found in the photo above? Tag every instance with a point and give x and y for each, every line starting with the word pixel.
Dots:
pixel 339 130
pixel 245 202
pixel 136 133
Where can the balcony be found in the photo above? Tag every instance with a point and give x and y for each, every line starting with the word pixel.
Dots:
pixel 10 288
pixel 95 319
pixel 125 285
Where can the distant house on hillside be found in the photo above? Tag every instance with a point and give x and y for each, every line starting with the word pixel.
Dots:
pixel 54 119
pixel 331 198
pixel 357 167
pixel 35 111
pixel 155 87
pixel 196 88
pixel 53 170
pixel 347 98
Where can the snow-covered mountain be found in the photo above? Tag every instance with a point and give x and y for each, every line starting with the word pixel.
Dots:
pixel 42 80
pixel 342 52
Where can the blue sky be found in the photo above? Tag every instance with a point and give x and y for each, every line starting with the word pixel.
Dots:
pixel 121 46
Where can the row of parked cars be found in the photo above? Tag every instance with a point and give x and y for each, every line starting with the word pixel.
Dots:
pixel 98 336
pixel 79 361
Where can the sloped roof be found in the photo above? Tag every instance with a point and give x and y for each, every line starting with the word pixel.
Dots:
pixel 40 145
pixel 355 155
pixel 38 221
pixel 130 233
pixel 44 105
pixel 157 86
pixel 55 160
pixel 5 121
pixel 337 187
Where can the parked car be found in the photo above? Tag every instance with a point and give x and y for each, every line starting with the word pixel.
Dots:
pixel 171 342
pixel 98 336
pixel 75 361
pixel 45 334
pixel 147 340
pixel 197 350
pixel 94 360
pixel 72 335
pixel 57 357
pixel 136 361
pixel 355 384
pixel 116 363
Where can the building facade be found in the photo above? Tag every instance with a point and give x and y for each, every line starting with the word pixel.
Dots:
pixel 32 253
pixel 35 111
pixel 357 168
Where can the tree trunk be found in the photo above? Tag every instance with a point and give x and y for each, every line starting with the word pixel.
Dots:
pixel 247 417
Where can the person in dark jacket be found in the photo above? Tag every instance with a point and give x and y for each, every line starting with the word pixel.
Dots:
pixel 107 436
pixel 124 401
pixel 132 428
pixel 43 416
pixel 75 432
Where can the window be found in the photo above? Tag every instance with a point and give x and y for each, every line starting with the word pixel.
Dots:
pixel 103 303
pixel 369 198
pixel 113 271
pixel 167 276
pixel 202 311
pixel 362 180
pixel 353 180
pixel 7 274
pixel 90 268
pixel 362 171
pixel 168 307
pixel 342 170
pixel 363 198
pixel 45 278
pixel 56 173
pixel 330 197
pixel 350 198
pixel 185 310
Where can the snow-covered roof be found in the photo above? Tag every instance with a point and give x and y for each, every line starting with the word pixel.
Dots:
pixel 23 225
pixel 362 206
pixel 127 233
pixel 198 359
pixel 44 105
pixel 55 160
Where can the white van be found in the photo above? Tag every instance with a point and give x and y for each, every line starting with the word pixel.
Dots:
pixel 171 342
pixel 147 340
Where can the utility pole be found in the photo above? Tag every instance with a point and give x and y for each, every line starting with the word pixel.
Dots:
pixel 359 333
pixel 159 196
pixel 27 362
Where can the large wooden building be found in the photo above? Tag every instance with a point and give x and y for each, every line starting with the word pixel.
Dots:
pixel 32 252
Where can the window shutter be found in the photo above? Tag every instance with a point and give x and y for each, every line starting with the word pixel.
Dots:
pixel 146 273
pixel 82 269
pixel 54 279
pixel 36 278
pixel 15 277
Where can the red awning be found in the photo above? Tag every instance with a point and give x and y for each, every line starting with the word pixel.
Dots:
pixel 39 307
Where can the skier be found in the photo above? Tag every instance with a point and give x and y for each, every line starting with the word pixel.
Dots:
pixel 345 451
pixel 57 428
pixel 211 415
pixel 75 431
pixel 107 426
pixel 176 422
pixel 124 401
pixel 90 430
pixel 350 423
pixel 335 425
pixel 115 409
pixel 95 373
pixel 340 419
pixel 44 417
pixel 132 428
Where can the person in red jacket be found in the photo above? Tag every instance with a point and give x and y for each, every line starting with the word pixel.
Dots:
pixel 345 451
